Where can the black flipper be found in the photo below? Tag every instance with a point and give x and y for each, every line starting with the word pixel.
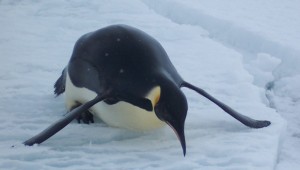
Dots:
pixel 57 126
pixel 242 118
pixel 60 84
pixel 140 102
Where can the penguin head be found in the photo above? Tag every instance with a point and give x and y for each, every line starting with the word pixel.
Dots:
pixel 171 107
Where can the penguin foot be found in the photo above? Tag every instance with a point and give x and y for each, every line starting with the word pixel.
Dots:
pixel 85 117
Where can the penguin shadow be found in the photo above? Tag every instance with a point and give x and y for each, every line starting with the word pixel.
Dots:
pixel 225 126
pixel 97 135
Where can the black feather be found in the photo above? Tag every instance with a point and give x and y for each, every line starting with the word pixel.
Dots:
pixel 60 84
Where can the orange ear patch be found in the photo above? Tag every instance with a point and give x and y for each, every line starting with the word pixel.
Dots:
pixel 154 95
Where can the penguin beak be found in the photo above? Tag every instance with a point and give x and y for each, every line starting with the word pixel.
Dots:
pixel 179 131
pixel 176 121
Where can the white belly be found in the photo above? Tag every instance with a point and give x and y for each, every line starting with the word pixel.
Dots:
pixel 122 114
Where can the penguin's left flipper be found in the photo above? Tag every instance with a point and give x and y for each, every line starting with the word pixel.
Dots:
pixel 242 118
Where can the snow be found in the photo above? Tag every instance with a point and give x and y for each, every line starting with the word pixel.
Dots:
pixel 244 53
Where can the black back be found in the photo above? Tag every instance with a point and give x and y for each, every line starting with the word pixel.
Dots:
pixel 121 57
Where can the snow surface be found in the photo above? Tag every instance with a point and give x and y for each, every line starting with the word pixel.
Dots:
pixel 245 53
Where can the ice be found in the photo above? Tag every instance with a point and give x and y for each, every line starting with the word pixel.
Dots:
pixel 244 53
pixel 262 67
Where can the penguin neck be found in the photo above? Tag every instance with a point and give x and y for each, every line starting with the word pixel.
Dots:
pixel 154 95
pixel 168 85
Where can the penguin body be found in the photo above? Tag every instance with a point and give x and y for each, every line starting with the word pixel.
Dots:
pixel 125 77
pixel 129 60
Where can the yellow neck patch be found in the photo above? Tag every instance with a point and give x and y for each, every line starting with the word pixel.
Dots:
pixel 154 95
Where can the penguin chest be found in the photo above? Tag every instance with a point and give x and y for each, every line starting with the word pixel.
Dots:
pixel 125 115
pixel 121 114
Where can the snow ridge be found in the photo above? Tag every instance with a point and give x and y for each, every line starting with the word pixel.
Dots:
pixel 242 40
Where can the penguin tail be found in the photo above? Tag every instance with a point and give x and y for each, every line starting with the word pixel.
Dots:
pixel 60 84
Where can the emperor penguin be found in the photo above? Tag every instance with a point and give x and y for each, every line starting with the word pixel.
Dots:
pixel 124 76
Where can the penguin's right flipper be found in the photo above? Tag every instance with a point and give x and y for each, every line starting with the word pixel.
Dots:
pixel 60 124
pixel 140 102
pixel 60 84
